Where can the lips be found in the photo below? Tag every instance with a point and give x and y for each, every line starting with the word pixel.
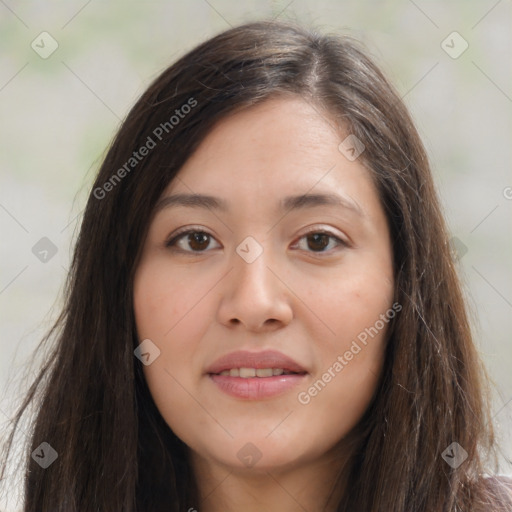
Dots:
pixel 255 375
pixel 256 360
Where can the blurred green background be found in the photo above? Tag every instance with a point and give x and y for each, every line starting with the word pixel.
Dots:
pixel 59 113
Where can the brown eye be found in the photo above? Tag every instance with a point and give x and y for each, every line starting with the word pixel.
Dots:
pixel 191 241
pixel 319 242
pixel 198 241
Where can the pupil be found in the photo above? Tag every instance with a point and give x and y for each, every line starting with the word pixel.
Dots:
pixel 324 240
pixel 198 238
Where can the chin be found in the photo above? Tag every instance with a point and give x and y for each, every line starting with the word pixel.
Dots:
pixel 251 454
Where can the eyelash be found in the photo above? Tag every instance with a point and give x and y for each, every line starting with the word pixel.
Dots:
pixel 171 243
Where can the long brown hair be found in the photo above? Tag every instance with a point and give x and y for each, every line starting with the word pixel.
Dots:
pixel 115 451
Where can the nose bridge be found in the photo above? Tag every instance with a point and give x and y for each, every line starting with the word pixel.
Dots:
pixel 253 295
pixel 250 262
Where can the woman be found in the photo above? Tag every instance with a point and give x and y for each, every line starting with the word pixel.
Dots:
pixel 263 312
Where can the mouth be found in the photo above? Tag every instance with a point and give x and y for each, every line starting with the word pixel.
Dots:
pixel 247 373
pixel 255 375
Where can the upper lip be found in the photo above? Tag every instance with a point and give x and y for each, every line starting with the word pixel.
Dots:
pixel 263 359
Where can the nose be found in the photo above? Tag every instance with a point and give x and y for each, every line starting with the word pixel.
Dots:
pixel 255 296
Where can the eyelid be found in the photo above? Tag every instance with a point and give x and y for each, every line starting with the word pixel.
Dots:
pixel 325 230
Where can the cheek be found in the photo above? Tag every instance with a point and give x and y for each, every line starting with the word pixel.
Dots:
pixel 163 310
pixel 358 313
pixel 352 363
pixel 164 299
pixel 350 301
pixel 167 306
pixel 153 290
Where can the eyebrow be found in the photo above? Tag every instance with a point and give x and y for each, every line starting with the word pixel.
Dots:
pixel 297 202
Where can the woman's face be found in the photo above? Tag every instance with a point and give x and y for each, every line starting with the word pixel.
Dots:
pixel 288 269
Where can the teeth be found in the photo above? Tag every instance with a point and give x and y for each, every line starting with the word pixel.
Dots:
pixel 246 373
pixel 264 372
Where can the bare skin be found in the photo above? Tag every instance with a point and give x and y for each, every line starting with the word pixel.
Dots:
pixel 307 297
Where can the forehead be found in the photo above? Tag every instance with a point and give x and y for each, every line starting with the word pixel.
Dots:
pixel 278 132
pixel 282 146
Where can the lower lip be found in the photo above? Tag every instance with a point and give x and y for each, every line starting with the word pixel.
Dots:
pixel 255 388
